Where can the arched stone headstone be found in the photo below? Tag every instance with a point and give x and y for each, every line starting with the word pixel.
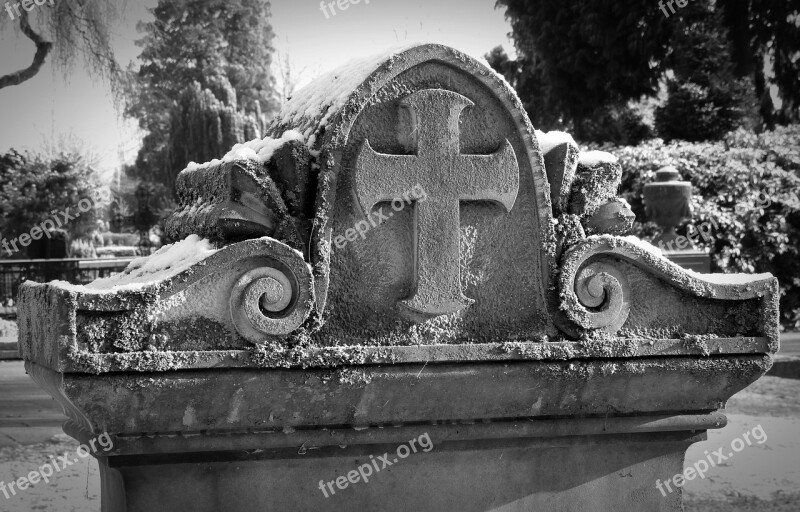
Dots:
pixel 403 259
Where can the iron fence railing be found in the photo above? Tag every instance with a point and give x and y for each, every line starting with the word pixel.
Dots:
pixel 73 270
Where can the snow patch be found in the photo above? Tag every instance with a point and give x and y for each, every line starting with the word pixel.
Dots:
pixel 549 140
pixel 262 149
pixel 168 261
pixel 256 149
pixel 644 244
pixel 729 278
pixel 316 103
pixel 709 278
pixel 595 158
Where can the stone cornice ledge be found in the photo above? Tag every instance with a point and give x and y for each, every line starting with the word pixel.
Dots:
pixel 243 407
pixel 358 355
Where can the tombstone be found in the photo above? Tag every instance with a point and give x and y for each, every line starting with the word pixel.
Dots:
pixel 399 300
pixel 668 203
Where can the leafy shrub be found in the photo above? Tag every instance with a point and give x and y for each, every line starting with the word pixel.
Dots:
pixel 36 187
pixel 746 188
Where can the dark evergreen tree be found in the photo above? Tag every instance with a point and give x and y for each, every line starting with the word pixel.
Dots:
pixel 579 59
pixel 767 31
pixel 205 83
pixel 705 100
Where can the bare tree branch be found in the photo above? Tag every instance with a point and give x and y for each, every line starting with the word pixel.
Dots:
pixel 42 50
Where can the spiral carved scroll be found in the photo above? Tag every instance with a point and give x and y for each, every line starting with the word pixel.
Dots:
pixel 272 297
pixel 595 293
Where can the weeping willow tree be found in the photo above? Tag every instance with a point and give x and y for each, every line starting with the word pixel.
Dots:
pixel 205 125
pixel 204 83
pixel 66 31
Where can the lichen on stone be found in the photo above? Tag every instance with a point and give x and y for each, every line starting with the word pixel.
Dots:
pixel 698 342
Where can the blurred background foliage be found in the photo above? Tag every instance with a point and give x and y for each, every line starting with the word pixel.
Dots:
pixel 590 68
pixel 746 190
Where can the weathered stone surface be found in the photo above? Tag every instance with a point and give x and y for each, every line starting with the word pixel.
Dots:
pixel 610 284
pixel 394 135
pixel 561 163
pixel 593 187
pixel 479 311
pixel 167 324
pixel 231 201
pixel 447 179
pixel 290 167
pixel 613 218
pixel 370 277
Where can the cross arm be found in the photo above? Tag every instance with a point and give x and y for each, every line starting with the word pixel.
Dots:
pixel 381 177
pixel 492 177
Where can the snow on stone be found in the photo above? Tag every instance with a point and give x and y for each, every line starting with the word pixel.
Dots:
pixel 310 108
pixel 166 262
pixel 709 278
pixel 643 244
pixel 595 158
pixel 729 278
pixel 315 104
pixel 549 140
pixel 261 149
pixel 256 149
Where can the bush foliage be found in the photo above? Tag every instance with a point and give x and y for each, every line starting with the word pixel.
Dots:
pixel 37 187
pixel 746 189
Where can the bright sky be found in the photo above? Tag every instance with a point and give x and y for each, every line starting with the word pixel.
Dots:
pixel 47 108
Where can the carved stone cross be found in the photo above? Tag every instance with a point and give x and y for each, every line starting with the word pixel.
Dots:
pixel 447 177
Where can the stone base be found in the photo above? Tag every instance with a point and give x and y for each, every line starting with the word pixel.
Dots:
pixel 699 261
pixel 527 435
pixel 571 473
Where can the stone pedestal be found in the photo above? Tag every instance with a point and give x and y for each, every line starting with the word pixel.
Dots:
pixel 571 473
pixel 668 203
pixel 562 436
pixel 390 276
